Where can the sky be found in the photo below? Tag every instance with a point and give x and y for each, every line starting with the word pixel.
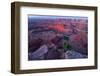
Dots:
pixel 54 17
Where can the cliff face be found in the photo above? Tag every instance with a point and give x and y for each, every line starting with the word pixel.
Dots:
pixel 79 42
